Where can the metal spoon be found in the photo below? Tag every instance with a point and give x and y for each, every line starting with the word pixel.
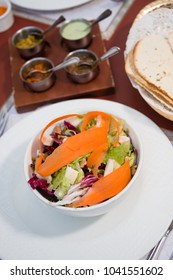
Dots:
pixel 103 15
pixel 34 73
pixel 93 64
pixel 54 24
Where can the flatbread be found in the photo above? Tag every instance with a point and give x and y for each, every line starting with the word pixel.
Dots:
pixel 132 73
pixel 153 61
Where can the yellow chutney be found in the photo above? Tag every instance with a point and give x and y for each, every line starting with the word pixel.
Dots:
pixel 75 30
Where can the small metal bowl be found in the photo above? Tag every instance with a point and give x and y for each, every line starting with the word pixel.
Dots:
pixel 76 34
pixel 44 83
pixel 84 74
pixel 31 50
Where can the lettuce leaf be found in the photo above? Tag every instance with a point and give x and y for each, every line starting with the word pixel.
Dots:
pixel 117 153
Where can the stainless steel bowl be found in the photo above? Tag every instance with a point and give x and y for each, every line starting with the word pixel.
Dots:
pixel 86 74
pixel 41 85
pixel 76 34
pixel 22 34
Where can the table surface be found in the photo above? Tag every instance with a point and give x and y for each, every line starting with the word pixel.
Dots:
pixel 124 93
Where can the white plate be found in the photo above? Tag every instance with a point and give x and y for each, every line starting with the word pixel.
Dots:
pixel 32 230
pixel 155 18
pixel 49 5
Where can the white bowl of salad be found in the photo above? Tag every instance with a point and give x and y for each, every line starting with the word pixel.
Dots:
pixel 83 164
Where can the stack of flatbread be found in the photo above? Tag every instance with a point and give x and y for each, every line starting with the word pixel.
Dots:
pixel 150 65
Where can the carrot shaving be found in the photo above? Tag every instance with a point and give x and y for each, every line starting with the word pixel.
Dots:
pixel 92 140
pixel 74 147
pixel 117 126
pixel 50 124
pixel 106 187
pixel 38 162
pixel 96 158
pixel 104 119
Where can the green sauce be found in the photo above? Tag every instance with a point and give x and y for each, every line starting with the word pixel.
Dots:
pixel 75 30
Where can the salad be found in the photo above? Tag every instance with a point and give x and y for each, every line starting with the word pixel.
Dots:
pixel 83 160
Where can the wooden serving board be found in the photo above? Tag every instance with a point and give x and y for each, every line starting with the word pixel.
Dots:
pixel 64 88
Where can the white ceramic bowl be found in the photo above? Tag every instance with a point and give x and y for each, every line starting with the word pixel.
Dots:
pixel 6 19
pixel 94 210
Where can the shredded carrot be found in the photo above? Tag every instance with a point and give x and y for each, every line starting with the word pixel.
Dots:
pixel 74 147
pixel 96 158
pixel 106 187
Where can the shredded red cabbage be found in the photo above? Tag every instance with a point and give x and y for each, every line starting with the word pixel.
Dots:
pixel 36 182
pixel 84 185
pixel 70 126
pixel 88 181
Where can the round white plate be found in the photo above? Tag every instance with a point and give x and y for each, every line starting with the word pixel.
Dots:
pixel 49 5
pixel 155 18
pixel 32 230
